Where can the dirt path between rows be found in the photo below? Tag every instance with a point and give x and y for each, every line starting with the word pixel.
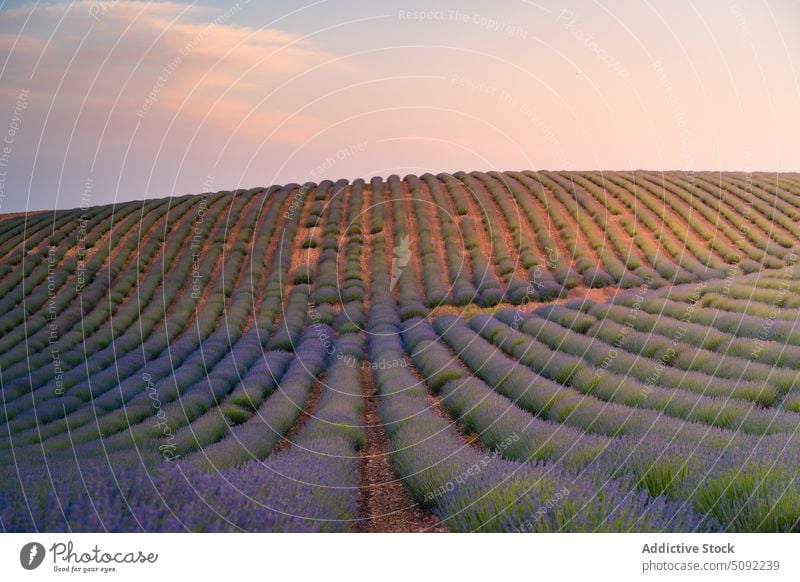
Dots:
pixel 385 504
pixel 305 414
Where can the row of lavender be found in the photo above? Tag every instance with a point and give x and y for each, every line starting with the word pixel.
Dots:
pixel 671 411
pixel 308 487
pixel 540 233
pixel 505 485
pixel 708 427
pixel 217 472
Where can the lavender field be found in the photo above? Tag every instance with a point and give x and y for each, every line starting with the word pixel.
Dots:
pixel 517 351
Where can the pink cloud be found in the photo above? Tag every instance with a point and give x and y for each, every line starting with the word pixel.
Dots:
pixel 156 61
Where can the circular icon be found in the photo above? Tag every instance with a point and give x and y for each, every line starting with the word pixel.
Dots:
pixel 31 555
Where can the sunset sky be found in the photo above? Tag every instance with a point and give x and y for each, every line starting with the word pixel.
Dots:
pixel 112 101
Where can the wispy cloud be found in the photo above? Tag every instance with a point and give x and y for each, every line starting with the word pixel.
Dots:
pixel 156 61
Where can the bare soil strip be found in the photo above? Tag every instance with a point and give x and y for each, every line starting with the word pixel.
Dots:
pixel 642 232
pixel 527 183
pixel 598 295
pixel 527 231
pixel 561 207
pixel 257 294
pixel 481 231
pixel 305 414
pixel 366 245
pixel 306 256
pixel 231 234
pixel 628 242
pixel 436 235
pixel 468 438
pixel 385 504
pixel 16 214
pixel 680 225
pixel 411 229
pixel 504 230
pixel 435 404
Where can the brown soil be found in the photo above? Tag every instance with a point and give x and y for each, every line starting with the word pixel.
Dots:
pixel 301 256
pixel 532 185
pixel 467 438
pixel 438 237
pixel 627 242
pixel 341 260
pixel 600 295
pixel 385 504
pixel 642 231
pixel 411 228
pixel 436 406
pixel 580 237
pixel 16 214
pixel 654 187
pixel 436 234
pixel 511 245
pixel 133 233
pixel 305 414
pixel 89 253
pixel 127 265
pixel 474 212
pixel 527 231
pixel 231 234
pixel 786 198
pixel 38 230
pixel 366 248
pixel 730 185
pixel 388 234
pixel 597 295
pixel 212 276
pixel 655 190
pixel 269 255
pixel 711 188
pixel 770 185
pixel 232 237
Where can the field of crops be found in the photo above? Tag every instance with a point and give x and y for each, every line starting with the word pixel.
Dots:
pixel 518 351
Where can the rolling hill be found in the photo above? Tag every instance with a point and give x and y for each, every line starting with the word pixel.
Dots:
pixel 516 351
